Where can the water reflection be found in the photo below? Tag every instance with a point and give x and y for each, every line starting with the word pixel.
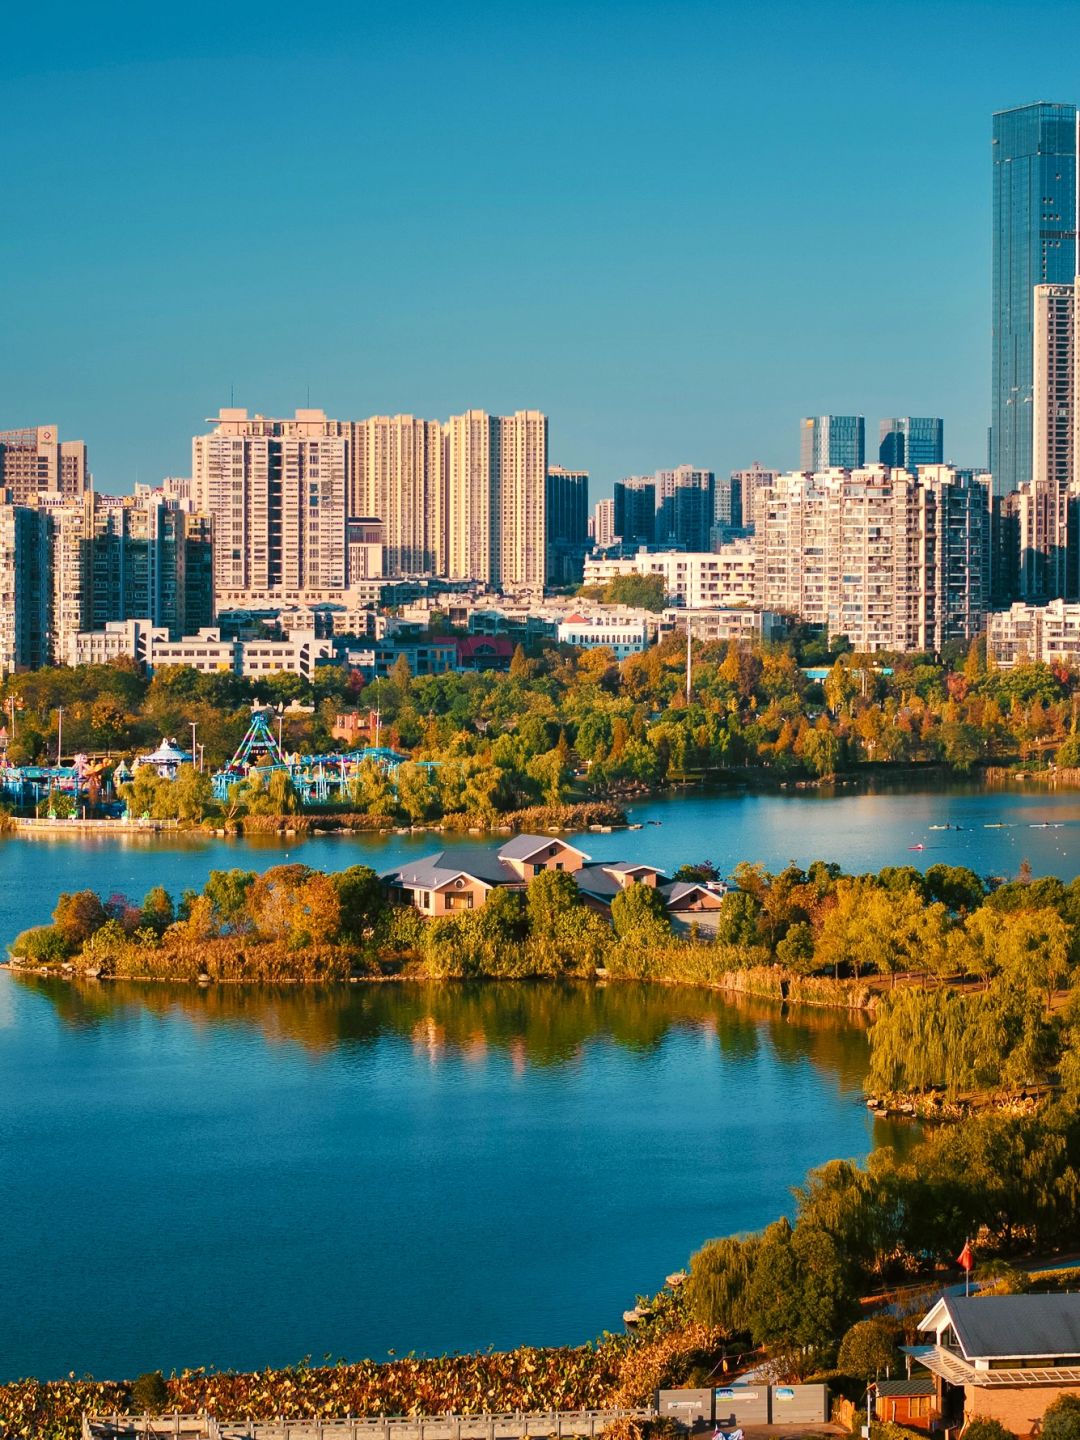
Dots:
pixel 542 1023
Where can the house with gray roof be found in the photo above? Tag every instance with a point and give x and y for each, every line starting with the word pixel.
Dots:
pixel 462 877
pixel 1001 1357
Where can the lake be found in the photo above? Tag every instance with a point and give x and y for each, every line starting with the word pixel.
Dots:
pixel 239 1177
pixel 242 1177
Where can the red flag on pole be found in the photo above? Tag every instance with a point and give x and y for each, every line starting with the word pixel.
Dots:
pixel 966 1258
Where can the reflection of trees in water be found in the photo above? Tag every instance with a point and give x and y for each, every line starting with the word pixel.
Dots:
pixel 540 1023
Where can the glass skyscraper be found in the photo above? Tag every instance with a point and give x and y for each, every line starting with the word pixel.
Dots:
pixel 908 441
pixel 828 441
pixel 1034 243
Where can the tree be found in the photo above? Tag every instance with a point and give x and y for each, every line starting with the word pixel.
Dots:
pixel 401 674
pixel 737 919
pixel 227 893
pixel 641 592
pixel 983 1429
pixel 157 910
pixel 1061 1420
pixel 869 1351
pixel 78 915
pixel 639 916
pixel 362 901
pixel 716 1288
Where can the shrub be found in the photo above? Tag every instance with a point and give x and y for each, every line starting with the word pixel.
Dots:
pixel 40 945
pixel 149 1393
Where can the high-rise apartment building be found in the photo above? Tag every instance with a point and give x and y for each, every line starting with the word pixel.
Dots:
pixel 635 510
pixel 908 441
pixel 497 497
pixel 603 523
pixel 128 557
pixel 685 501
pixel 1034 243
pixel 276 491
pixel 891 560
pixel 24 588
pixel 567 518
pixel 735 507
pixel 399 470
pixel 832 441
pixel 36 461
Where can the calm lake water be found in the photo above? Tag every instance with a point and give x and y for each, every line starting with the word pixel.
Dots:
pixel 244 1177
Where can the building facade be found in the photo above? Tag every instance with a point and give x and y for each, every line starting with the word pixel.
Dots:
pixel 635 510
pixel 699 580
pixel 399 474
pixel 36 461
pixel 832 442
pixel 1034 221
pixel 566 509
pixel 24 588
pixel 497 495
pixel 908 441
pixel 603 523
pixel 685 501
pixel 891 560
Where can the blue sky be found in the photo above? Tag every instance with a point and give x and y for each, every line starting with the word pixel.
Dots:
pixel 674 227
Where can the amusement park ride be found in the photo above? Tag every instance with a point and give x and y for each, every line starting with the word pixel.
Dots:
pixel 318 779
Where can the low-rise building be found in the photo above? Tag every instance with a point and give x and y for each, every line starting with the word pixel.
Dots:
pixel 744 624
pixel 1027 633
pixel 132 639
pixel 1001 1357
pixel 462 877
pixel 696 579
pixel 623 633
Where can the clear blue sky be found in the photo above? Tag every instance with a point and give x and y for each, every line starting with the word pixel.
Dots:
pixel 675 227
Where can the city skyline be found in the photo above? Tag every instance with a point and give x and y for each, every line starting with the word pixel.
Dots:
pixel 532 290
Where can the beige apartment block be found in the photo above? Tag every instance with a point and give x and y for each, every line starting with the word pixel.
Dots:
pixel 35 461
pixel 400 476
pixel 277 493
pixel 496 498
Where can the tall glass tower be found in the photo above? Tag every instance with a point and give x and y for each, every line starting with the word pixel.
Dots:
pixel 1034 149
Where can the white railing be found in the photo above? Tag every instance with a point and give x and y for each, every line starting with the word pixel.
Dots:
pixel 509 1425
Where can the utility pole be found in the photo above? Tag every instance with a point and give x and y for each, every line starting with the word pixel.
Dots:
pixel 59 736
pixel 194 747
pixel 689 660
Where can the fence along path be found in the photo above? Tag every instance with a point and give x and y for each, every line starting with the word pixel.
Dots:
pixel 560 1424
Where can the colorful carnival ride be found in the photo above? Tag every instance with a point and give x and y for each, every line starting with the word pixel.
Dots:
pixel 318 779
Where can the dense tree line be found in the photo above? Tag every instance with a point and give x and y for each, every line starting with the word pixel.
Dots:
pixel 565 719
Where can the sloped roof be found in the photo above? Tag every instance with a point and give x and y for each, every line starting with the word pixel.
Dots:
pixel 898 1389
pixel 596 881
pixel 1015 1326
pixel 679 889
pixel 445 865
pixel 524 847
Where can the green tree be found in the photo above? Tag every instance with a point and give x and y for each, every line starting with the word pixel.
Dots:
pixel 869 1350
pixel 638 915
pixel 1061 1420
pixel 157 910
pixel 362 902
pixel 718 1283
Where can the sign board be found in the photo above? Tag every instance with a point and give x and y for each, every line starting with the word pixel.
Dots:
pixel 741 1405
pixel 800 1404
pixel 690 1407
